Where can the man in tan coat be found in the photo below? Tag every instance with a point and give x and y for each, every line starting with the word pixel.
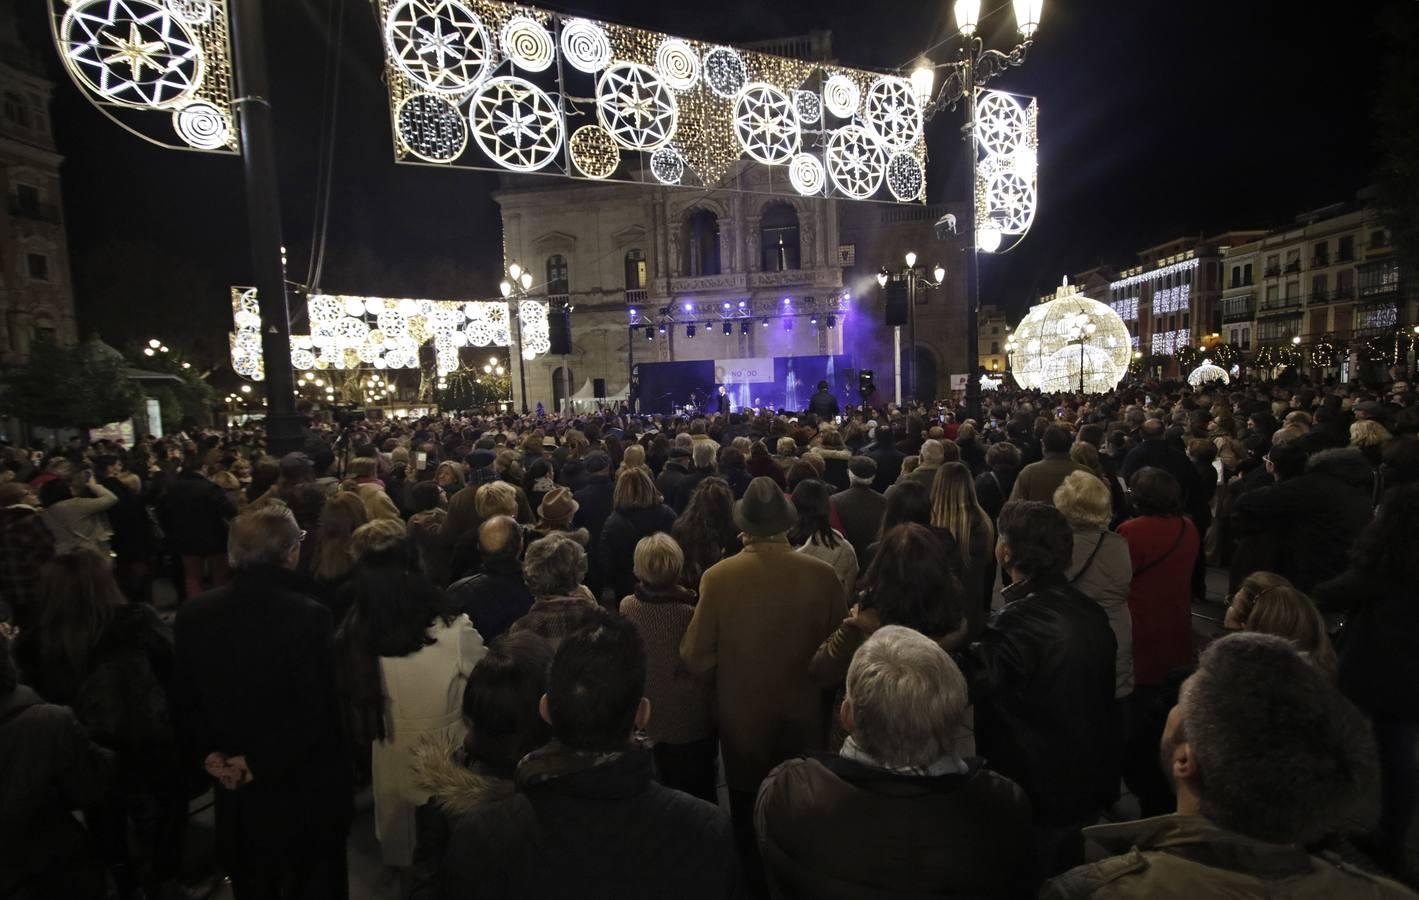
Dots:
pixel 761 616
pixel 1039 480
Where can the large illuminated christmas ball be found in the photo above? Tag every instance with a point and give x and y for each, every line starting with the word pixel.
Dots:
pixel 1045 350
pixel 1206 374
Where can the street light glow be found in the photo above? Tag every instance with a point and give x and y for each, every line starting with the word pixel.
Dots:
pixel 923 80
pixel 911 259
pixel 1027 16
pixel 506 287
pixel 514 270
pixel 940 273
pixel 967 15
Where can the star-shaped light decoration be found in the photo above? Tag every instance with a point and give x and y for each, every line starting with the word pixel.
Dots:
pixel 516 124
pixel 134 53
pixel 441 44
pixel 855 162
pixel 636 107
pixel 766 124
pixel 445 45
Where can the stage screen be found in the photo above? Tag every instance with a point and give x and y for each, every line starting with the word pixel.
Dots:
pixel 671 387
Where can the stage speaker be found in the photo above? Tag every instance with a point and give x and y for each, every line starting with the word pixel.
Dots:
pixel 866 383
pixel 896 293
pixel 598 388
pixel 559 328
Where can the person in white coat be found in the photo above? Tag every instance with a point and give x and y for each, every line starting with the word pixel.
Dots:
pixel 77 522
pixel 815 536
pixel 405 658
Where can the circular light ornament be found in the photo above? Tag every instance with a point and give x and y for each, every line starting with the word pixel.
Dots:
pixel 678 63
pixel 516 124
pixel 667 165
pixel 807 175
pixel 594 152
pixel 724 72
pixel 441 45
pixel 809 106
pixel 892 113
pixel 585 46
pixel 431 128
pixel 636 107
pixel 527 44
pixel 856 163
pixel 1206 374
pixel 202 125
pixel 766 124
pixel 134 53
pixel 1046 329
pixel 841 96
pixel 1001 124
pixel 904 177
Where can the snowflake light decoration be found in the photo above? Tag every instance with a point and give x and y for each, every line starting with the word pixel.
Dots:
pixel 806 174
pixel 905 178
pixel 725 72
pixel 1007 140
pixel 431 128
pixel 841 96
pixel 134 53
pixel 527 44
pixel 766 124
pixel 856 163
pixel 585 46
pixel 667 165
pixel 891 112
pixel 636 107
pixel 594 152
pixel 678 63
pixel 516 123
pixel 536 333
pixel 440 44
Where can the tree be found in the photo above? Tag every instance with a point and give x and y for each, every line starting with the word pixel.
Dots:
pixel 70 387
pixel 1188 357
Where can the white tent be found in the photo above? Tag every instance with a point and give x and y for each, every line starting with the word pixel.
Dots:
pixel 586 398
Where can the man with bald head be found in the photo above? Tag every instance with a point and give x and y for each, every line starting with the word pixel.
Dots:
pixel 1156 451
pixel 497 595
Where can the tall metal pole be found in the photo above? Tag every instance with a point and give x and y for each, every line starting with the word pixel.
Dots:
pixel 521 361
pixel 912 288
pixel 972 399
pixel 263 211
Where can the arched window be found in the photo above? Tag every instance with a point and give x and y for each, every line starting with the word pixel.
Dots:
pixel 778 241
pixel 702 243
pixel 557 282
pixel 636 272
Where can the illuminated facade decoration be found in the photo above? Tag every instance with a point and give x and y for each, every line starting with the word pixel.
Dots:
pixel 1007 143
pixel 1127 308
pixel 351 332
pixel 1044 355
pixel 1170 300
pixel 1206 374
pixel 133 58
pixel 1158 274
pixel 1166 343
pixel 513 87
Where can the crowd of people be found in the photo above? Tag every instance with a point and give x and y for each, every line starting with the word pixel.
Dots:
pixel 909 654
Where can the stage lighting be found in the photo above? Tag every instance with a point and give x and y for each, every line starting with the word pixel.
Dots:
pixel 662 329
pixel 787 324
pixel 832 321
pixel 764 322
pixel 689 331
pixel 743 304
pixel 689 307
pixel 813 319
pixel 728 328
pixel 744 327
pixel 649 333
pixel 726 304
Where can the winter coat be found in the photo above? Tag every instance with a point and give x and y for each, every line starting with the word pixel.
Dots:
pixel 1162 551
pixel 965 835
pixel 993 489
pixel 681 704
pixel 687 485
pixel 1163 455
pixel 553 618
pixel 424 696
pixel 1038 481
pixel 581 825
pixel 493 599
pixel 1042 681
pixel 835 468
pixel 1379 670
pixel 427 540
pixel 133 538
pixel 765 467
pixel 738 479
pixel 256 678
pixel 594 506
pixel 889 464
pixel 842 558
pixel 26 544
pixel 860 510
pixel 618 543
pixel 674 471
pixel 1103 572
pixel 81 522
pixel 51 769
pixel 823 405
pixel 194 514
pixel 1188 856
pixel 762 615
pixel 455 788
pixel 1312 518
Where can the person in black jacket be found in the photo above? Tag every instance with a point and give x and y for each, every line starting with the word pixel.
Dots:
pixel 1042 682
pixel 883 451
pixel 639 512
pixel 823 404
pixel 588 818
pixel 194 514
pixel 257 709
pixel 594 505
pixel 497 595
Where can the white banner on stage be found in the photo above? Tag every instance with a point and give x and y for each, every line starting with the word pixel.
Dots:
pixel 744 371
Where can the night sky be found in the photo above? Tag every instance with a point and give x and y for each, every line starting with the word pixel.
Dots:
pixel 1157 119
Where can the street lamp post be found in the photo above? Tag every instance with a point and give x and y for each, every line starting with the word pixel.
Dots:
pixel 519 282
pixel 974 67
pixel 914 281
pixel 1080 330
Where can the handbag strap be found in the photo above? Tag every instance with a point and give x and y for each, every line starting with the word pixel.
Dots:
pixel 1182 532
pixel 1090 561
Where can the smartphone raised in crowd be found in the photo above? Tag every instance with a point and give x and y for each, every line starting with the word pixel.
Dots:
pixel 421 459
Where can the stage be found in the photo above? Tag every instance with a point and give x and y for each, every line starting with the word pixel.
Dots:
pixel 784 382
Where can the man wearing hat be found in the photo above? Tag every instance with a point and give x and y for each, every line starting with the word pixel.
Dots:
pixel 761 616
pixel 860 508
pixel 555 514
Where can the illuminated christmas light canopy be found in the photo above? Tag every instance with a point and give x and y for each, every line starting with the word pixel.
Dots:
pixel 1207 373
pixel 133 58
pixel 514 87
pixel 350 332
pixel 1007 142
pixel 1045 349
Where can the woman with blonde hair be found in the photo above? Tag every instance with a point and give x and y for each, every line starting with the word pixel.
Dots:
pixel 638 511
pixel 633 457
pixel 1101 568
pixel 1270 604
pixel 496 498
pixel 954 507
pixel 449 476
pixel 377 503
pixel 334 557
pixel 1370 437
pixel 1087 455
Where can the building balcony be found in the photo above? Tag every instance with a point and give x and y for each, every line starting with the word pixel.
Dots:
pixel 36 212
pixel 1320 262
pixel 1238 314
pixel 1343 294
pixel 1279 305
pixel 636 295
pixel 1293 267
pixel 1273 272
pixel 727 281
